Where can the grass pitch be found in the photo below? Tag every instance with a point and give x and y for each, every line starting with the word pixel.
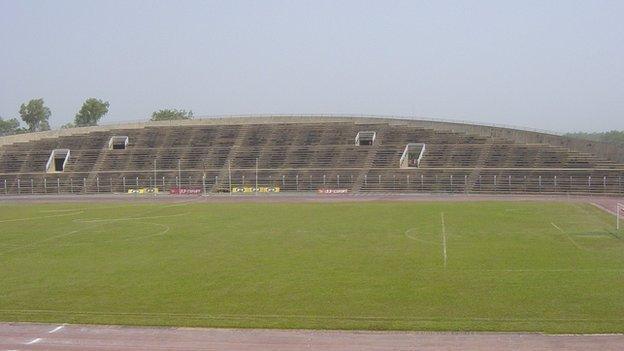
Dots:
pixel 510 266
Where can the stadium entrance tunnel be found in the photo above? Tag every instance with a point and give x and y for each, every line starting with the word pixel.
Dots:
pixel 57 161
pixel 365 138
pixel 412 155
pixel 118 142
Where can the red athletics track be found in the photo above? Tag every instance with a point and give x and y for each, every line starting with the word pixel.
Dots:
pixel 53 337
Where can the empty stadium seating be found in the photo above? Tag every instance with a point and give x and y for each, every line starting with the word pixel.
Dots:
pixel 301 156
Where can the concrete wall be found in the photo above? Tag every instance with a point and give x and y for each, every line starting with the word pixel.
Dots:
pixel 612 152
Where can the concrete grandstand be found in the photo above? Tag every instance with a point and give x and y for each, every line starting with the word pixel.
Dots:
pixel 307 154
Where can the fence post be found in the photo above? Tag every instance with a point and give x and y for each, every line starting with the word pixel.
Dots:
pixel 324 180
pixel 451 178
pixel 204 184
pixel 604 183
pixel 45 185
pixel 589 183
pixel 137 182
pixel 32 191
pixel 539 183
pixel 525 184
pixel 97 184
pixel 338 180
pixel 422 182
pixel 555 183
pixel 365 179
pixel 297 181
pixel 6 191
pixel 58 185
pixel 163 182
pixel 283 181
pixel 84 185
pixel 19 190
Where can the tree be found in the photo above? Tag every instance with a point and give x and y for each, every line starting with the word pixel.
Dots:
pixel 35 114
pixel 171 114
pixel 613 136
pixel 9 126
pixel 91 112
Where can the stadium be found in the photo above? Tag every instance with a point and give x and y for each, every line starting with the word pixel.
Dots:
pixel 311 222
pixel 307 154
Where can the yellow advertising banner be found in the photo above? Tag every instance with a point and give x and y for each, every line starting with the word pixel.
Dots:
pixel 143 191
pixel 245 189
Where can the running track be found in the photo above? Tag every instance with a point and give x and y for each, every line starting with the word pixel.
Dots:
pixel 108 338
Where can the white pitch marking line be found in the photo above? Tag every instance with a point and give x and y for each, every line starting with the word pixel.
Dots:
pixel 56 329
pixel 33 341
pixel 569 238
pixel 556 226
pixel 443 238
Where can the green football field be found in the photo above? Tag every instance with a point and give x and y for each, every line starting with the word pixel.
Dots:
pixel 501 266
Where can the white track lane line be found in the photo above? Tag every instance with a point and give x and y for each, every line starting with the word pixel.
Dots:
pixel 33 341
pixel 56 329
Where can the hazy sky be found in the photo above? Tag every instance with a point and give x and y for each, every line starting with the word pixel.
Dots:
pixel 556 65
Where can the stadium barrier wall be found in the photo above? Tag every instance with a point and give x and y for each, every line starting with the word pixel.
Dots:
pixel 272 181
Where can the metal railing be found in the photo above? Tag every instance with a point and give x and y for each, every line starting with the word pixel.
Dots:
pixel 305 181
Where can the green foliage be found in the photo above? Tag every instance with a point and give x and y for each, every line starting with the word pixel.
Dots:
pixel 171 114
pixel 614 136
pixel 91 112
pixel 36 115
pixel 314 265
pixel 9 126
